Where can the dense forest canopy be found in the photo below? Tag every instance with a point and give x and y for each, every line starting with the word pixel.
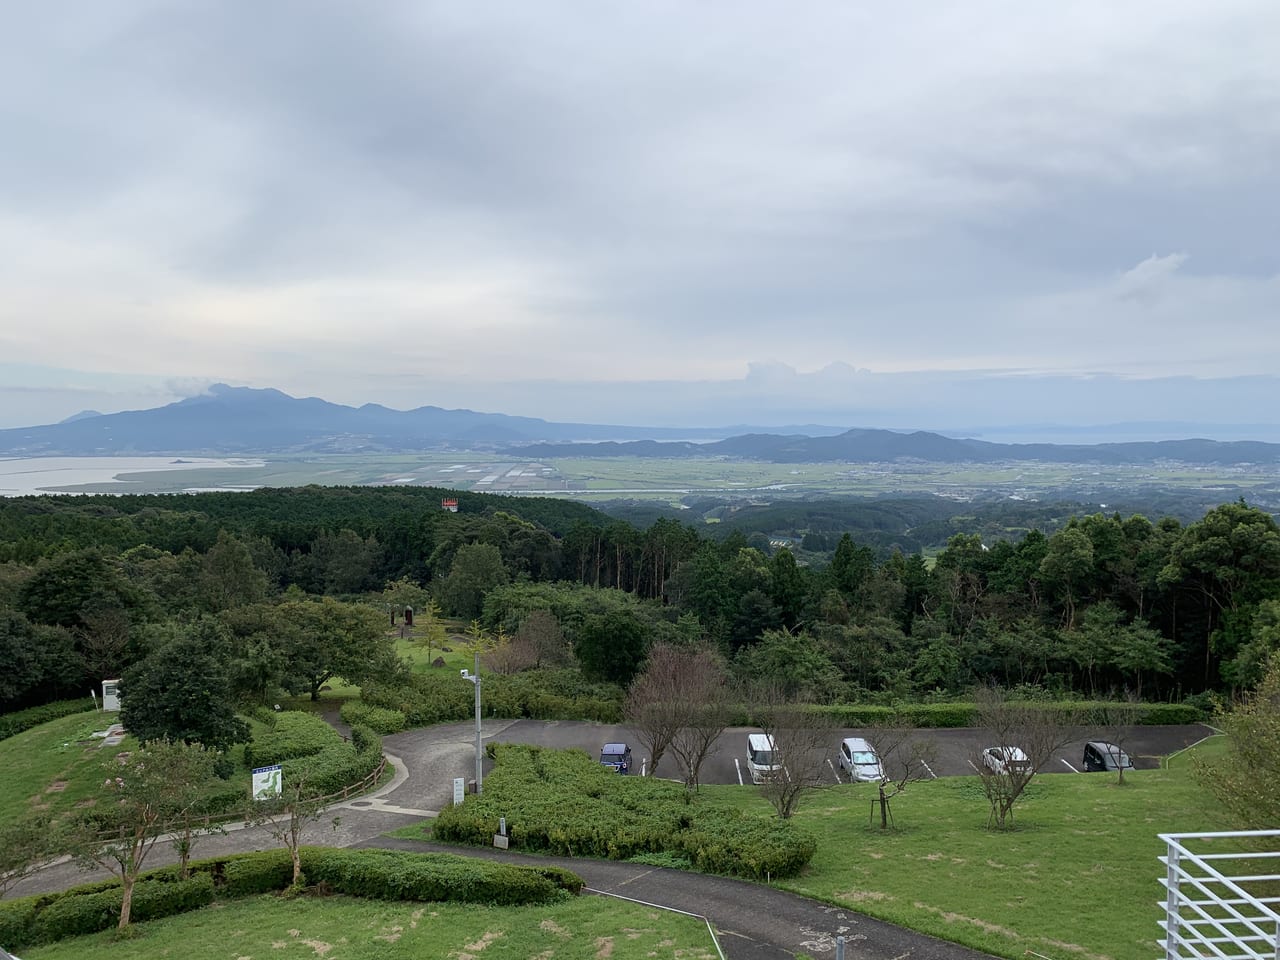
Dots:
pixel 1099 603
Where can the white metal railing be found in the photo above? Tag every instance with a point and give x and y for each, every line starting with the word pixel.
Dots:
pixel 1222 895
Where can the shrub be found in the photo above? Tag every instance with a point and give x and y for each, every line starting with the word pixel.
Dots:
pixel 249 874
pixel 381 874
pixel 563 802
pixel 379 719
pixel 395 875
pixel 16 918
pixel 339 765
pixel 294 734
pixel 1172 713
pixel 12 724
pixel 540 694
pixel 75 914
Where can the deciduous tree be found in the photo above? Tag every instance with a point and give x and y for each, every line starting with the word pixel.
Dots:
pixel 144 793
pixel 802 739
pixel 1037 729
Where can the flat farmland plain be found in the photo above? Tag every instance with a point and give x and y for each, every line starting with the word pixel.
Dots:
pixel 670 480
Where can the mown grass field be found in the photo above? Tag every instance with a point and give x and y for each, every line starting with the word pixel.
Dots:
pixel 1076 877
pixel 343 928
pixel 53 767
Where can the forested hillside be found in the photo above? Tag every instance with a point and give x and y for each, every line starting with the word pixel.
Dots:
pixel 1103 604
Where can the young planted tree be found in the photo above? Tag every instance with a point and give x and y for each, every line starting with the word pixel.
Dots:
pixel 287 816
pixel 145 793
pixel 1021 740
pixel 905 756
pixel 706 714
pixel 1115 721
pixel 663 699
pixel 802 739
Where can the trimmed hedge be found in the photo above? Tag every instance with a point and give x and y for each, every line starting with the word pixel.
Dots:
pixel 430 698
pixel 562 802
pixel 380 874
pixel 938 715
pixel 1171 713
pixel 293 734
pixel 12 724
pixel 338 765
pixel 396 875
pixel 377 719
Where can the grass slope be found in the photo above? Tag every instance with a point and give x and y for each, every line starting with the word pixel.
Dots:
pixel 1077 877
pixel 343 928
pixel 54 766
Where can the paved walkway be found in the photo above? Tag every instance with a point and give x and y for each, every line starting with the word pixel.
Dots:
pixel 754 922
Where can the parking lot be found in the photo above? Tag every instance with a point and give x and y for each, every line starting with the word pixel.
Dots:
pixel 956 749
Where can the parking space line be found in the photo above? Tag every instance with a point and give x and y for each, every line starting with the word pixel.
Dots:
pixel 737 766
pixel 1069 766
pixel 975 768
pixel 835 772
pixel 929 769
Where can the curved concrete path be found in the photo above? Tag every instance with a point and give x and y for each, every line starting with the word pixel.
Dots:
pixel 753 922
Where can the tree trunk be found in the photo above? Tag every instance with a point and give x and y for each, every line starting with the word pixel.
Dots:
pixel 884 808
pixel 126 898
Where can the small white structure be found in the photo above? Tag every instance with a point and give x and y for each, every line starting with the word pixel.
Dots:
pixel 110 694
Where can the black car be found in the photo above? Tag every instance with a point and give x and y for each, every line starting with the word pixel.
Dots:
pixel 1100 755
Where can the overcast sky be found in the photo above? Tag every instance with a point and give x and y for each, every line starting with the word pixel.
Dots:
pixel 881 214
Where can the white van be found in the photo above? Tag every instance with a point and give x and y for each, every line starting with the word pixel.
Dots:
pixel 860 761
pixel 762 758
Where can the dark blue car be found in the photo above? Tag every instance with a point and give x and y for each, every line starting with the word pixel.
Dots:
pixel 616 755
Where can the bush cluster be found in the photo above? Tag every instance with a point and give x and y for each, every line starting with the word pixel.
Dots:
pixel 396 875
pixel 380 874
pixel 1158 714
pixel 292 734
pixel 377 719
pixel 536 694
pixel 562 802
pixel 12 724
pixel 338 765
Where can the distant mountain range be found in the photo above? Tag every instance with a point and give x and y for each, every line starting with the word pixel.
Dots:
pixel 242 421
pixel 875 446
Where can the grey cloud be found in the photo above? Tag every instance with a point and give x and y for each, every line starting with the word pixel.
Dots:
pixel 672 185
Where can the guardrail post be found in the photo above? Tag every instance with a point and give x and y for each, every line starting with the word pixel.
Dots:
pixel 1171 904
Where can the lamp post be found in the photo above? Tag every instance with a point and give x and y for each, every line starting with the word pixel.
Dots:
pixel 475 680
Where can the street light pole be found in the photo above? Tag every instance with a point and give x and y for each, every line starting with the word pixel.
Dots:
pixel 475 680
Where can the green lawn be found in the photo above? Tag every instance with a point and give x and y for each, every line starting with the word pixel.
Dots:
pixel 1078 876
pixel 53 767
pixel 342 928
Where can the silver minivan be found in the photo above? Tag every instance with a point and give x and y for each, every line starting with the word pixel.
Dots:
pixel 860 760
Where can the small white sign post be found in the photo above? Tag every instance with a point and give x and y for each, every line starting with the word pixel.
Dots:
pixel 459 790
pixel 267 782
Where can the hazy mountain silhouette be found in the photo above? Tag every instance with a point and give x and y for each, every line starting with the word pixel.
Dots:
pixel 243 420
